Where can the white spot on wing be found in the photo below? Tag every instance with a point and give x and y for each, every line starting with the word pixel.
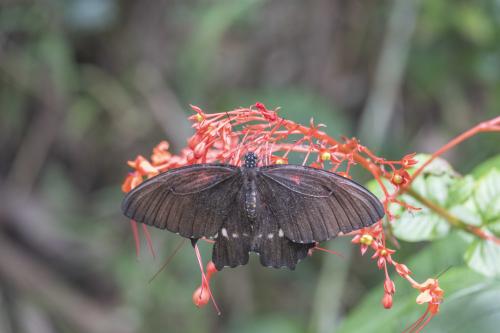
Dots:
pixel 216 235
pixel 235 235
pixel 224 232
pixel 281 233
pixel 270 236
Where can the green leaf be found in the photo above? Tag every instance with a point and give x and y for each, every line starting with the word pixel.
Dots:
pixel 495 228
pixel 437 167
pixel 464 289
pixel 434 183
pixel 467 213
pixel 486 166
pixel 484 257
pixel 461 190
pixel 487 196
pixel 420 226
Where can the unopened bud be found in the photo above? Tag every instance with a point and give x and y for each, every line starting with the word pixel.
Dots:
pixel 387 301
pixel 201 297
pixel 199 150
pixel 389 286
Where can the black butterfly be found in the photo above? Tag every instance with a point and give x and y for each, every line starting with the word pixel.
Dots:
pixel 277 211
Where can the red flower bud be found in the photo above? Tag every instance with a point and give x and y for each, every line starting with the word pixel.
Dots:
pixel 402 270
pixel 211 270
pixel 260 107
pixel 389 286
pixel 199 150
pixel 387 301
pixel 201 296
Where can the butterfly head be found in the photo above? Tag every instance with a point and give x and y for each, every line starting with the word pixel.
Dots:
pixel 250 160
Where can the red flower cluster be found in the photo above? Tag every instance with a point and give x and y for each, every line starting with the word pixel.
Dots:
pixel 225 137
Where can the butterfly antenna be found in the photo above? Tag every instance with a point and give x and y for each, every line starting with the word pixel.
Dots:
pixel 443 271
pixel 169 259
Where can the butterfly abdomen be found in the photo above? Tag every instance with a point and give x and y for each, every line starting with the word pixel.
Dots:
pixel 250 195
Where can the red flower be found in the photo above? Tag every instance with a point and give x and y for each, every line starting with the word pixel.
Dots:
pixel 384 256
pixel 431 293
pixel 400 177
pixel 225 136
pixel 368 238
pixel 408 160
pixel 143 166
pixel 365 239
pixel 161 155
pixel 133 179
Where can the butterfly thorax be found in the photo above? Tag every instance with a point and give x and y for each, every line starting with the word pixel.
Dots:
pixel 249 171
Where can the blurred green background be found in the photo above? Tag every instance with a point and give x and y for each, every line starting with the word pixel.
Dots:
pixel 86 85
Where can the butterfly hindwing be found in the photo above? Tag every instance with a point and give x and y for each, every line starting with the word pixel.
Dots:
pixel 190 200
pixel 232 243
pixel 313 205
pixel 274 249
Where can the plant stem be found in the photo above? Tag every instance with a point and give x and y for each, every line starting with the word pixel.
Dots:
pixel 452 219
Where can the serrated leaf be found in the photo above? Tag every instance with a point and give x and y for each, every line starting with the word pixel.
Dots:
pixel 462 286
pixel 461 190
pixel 436 180
pixel 467 213
pixel 437 167
pixel 486 166
pixel 434 184
pixel 420 226
pixel 438 187
pixel 483 256
pixel 495 228
pixel 487 195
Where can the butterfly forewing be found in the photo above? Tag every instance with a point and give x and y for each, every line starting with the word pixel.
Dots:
pixel 313 205
pixel 190 201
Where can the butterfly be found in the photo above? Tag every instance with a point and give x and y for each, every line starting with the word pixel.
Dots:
pixel 278 211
